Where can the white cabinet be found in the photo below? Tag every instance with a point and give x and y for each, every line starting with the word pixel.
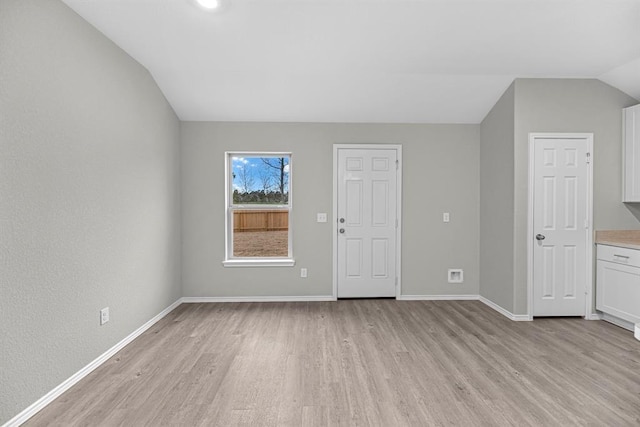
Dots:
pixel 618 282
pixel 631 154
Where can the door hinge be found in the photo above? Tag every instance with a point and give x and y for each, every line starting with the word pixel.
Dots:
pixel 397 164
pixel 396 222
pixel 588 158
pixel 396 281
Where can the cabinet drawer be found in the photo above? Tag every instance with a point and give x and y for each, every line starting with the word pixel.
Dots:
pixel 619 255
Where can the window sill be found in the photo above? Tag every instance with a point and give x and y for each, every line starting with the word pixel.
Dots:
pixel 264 262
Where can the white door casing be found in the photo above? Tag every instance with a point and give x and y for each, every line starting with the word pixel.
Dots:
pixel 366 248
pixel 560 225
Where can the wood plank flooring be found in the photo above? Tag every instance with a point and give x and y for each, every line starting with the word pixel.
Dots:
pixel 360 363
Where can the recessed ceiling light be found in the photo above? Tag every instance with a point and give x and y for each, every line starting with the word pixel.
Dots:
pixel 209 4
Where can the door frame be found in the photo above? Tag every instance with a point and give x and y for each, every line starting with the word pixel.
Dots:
pixel 589 311
pixel 334 222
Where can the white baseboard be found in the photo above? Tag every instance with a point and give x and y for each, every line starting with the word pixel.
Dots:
pixel 593 316
pixel 311 298
pixel 618 322
pixel 504 312
pixel 38 405
pixel 437 298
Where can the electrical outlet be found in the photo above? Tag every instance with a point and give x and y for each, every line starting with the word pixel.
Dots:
pixel 321 217
pixel 104 315
pixel 445 217
pixel 303 272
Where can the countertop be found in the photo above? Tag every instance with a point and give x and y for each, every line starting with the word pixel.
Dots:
pixel 621 238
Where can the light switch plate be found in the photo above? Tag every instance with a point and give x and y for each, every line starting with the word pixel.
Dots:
pixel 104 315
pixel 321 217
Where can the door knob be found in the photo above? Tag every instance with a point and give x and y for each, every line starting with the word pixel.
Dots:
pixel 540 237
pixel 341 231
pixel 341 220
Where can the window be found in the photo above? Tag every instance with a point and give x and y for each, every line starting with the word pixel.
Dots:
pixel 258 192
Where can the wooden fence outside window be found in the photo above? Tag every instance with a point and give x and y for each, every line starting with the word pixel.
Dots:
pixel 268 220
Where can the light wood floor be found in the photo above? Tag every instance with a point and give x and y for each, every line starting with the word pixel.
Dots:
pixel 360 362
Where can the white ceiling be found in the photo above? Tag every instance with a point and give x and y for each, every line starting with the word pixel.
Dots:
pixel 396 61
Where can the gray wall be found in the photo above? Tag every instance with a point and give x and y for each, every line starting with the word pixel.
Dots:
pixel 497 201
pixel 441 174
pixel 570 105
pixel 89 202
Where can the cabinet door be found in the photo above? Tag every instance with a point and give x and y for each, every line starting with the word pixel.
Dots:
pixel 618 290
pixel 631 151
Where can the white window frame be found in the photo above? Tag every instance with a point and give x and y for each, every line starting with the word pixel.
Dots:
pixel 230 207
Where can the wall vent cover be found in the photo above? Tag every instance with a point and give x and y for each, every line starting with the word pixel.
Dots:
pixel 456 275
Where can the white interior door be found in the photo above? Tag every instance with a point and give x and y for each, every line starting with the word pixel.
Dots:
pixel 367 222
pixel 560 225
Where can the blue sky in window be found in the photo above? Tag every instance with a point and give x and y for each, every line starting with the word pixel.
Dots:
pixel 259 173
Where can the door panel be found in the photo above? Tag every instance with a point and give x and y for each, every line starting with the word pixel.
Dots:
pixel 570 271
pixel 353 258
pixel 560 220
pixel 380 204
pixel 380 258
pixel 354 196
pixel 367 204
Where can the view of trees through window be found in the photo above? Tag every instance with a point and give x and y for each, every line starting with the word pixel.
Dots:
pixel 260 180
pixel 261 183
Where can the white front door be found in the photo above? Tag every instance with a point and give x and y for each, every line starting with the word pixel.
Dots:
pixel 367 222
pixel 560 225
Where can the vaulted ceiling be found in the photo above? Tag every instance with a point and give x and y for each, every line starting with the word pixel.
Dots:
pixel 402 61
